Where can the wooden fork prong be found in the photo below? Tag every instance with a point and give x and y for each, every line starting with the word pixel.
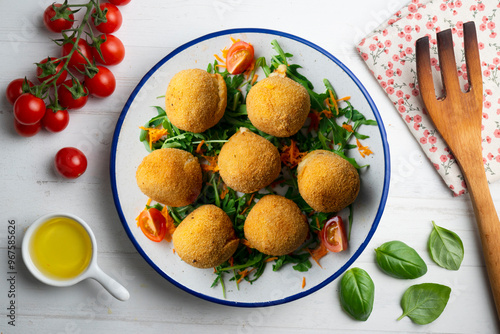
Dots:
pixel 447 63
pixel 424 72
pixel 473 62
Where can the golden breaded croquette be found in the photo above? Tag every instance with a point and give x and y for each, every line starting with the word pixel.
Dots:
pixel 170 176
pixel 205 238
pixel 275 226
pixel 195 100
pixel 278 106
pixel 327 182
pixel 248 162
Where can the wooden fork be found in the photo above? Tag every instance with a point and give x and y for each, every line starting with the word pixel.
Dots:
pixel 457 116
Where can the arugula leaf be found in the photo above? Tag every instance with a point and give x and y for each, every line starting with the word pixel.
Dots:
pixel 399 260
pixel 446 248
pixel 424 303
pixel 357 293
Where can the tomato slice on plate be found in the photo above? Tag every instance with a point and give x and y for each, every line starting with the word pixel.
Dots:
pixel 333 235
pixel 153 224
pixel 239 57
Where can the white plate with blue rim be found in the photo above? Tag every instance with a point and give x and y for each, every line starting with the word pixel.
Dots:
pixel 271 288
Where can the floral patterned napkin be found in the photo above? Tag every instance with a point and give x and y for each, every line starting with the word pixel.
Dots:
pixel 389 52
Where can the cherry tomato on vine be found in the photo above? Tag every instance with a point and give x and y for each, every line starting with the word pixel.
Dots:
pixel 70 162
pixel 112 50
pixel 15 89
pixel 102 84
pixel 77 60
pixel 153 224
pixel 119 2
pixel 65 96
pixel 333 235
pixel 27 130
pixel 29 109
pixel 55 120
pixel 60 24
pixel 113 19
pixel 47 71
pixel 239 57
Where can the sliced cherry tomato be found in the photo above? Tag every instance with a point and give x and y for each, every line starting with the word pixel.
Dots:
pixel 333 235
pixel 113 18
pixel 27 130
pixel 119 2
pixel 112 50
pixel 15 89
pixel 29 109
pixel 65 96
pixel 47 71
pixel 70 162
pixel 102 84
pixel 60 24
pixel 153 224
pixel 55 121
pixel 239 57
pixel 77 61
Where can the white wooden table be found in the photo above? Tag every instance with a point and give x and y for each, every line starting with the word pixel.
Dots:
pixel 151 29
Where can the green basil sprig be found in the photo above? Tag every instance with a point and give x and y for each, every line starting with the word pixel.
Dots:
pixel 357 293
pixel 399 260
pixel 446 248
pixel 424 303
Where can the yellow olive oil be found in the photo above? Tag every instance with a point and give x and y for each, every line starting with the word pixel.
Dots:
pixel 61 248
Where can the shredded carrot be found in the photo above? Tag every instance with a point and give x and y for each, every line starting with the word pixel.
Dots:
pixel 244 274
pixel 271 259
pixel 199 150
pixel 224 192
pixel 291 156
pixel 251 199
pixel 212 164
pixel 318 253
pixel 348 127
pixel 245 242
pixel 219 58
pixel 363 150
pixel 254 79
pixel 345 98
pixel 234 40
pixel 335 105
pixel 173 250
pixel 328 114
pixel 303 282
pixel 231 261
pixel 148 203
pixel 317 223
pixel 315 117
pixel 169 224
pixel 154 135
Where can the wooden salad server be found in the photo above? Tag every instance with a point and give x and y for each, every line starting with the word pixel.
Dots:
pixel 457 116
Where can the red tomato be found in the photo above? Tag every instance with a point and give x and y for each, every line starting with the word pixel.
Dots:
pixel 27 130
pixel 102 84
pixel 29 109
pixel 55 121
pixel 15 89
pixel 113 19
pixel 59 24
pixel 112 50
pixel 333 235
pixel 52 70
pixel 239 57
pixel 77 60
pixel 153 224
pixel 119 2
pixel 70 162
pixel 65 96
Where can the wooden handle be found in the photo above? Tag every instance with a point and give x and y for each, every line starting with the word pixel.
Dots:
pixel 488 226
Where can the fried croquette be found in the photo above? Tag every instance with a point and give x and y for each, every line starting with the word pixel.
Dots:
pixel 248 162
pixel 205 238
pixel 278 106
pixel 275 226
pixel 170 176
pixel 327 182
pixel 195 100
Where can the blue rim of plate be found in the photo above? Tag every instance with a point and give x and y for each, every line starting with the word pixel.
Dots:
pixel 381 128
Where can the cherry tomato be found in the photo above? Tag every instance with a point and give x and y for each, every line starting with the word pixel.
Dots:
pixel 29 109
pixel 333 235
pixel 70 162
pixel 66 99
pixel 55 68
pixel 153 224
pixel 77 61
pixel 55 120
pixel 27 130
pixel 119 2
pixel 112 50
pixel 102 84
pixel 15 89
pixel 59 24
pixel 113 19
pixel 239 57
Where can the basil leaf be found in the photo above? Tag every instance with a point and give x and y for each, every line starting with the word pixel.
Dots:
pixel 357 293
pixel 424 303
pixel 446 248
pixel 399 260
